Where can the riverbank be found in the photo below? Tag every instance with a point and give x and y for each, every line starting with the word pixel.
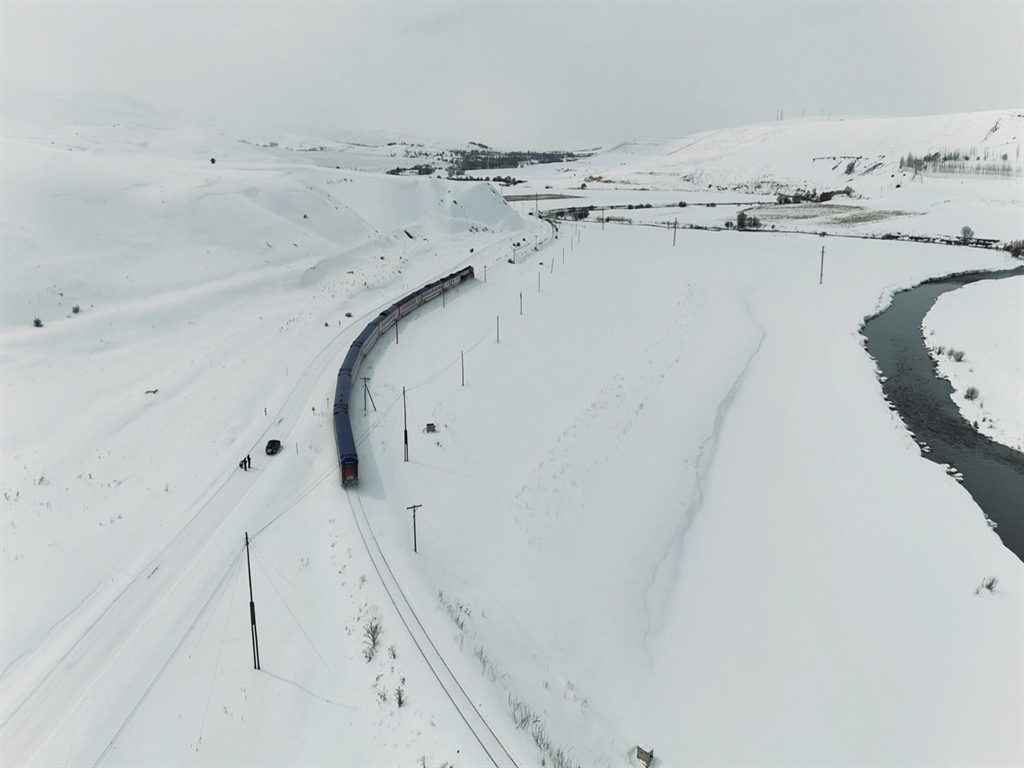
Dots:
pixel 983 325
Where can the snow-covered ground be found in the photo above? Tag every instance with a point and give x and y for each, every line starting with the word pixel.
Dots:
pixel 669 505
pixel 753 163
pixel 984 321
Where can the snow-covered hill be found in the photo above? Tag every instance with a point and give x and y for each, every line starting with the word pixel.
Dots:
pixel 669 505
pixel 820 153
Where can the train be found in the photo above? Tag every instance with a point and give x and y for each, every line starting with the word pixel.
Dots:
pixel 348 456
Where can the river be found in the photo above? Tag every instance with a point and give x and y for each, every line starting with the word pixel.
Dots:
pixel 992 473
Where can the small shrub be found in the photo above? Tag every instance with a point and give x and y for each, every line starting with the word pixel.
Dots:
pixel 1015 248
pixel 76 309
pixel 958 356
pixel 989 583
pixel 971 393
pixel 520 712
pixel 966 234
pixel 371 638
pixel 400 695
pixel 940 350
pixel 850 166
pixel 37 323
pixel 729 224
pixel 392 651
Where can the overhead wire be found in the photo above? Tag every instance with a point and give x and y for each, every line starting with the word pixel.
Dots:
pixel 216 666
pixel 259 561
pixel 170 658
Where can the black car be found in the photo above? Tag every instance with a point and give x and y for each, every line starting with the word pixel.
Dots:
pixel 273 446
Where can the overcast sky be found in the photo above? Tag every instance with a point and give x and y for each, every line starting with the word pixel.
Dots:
pixel 523 73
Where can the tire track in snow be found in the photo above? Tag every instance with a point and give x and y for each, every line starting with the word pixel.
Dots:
pixel 666 573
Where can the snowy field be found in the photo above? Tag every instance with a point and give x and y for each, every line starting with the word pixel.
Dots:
pixel 753 164
pixel 669 505
pixel 985 321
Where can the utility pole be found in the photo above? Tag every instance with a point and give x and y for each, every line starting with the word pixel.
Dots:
pixel 414 507
pixel 821 272
pixel 462 357
pixel 520 303
pixel 396 329
pixel 552 266
pixel 675 226
pixel 366 393
pixel 405 424
pixel 603 217
pixel 563 254
pixel 485 273
pixel 252 610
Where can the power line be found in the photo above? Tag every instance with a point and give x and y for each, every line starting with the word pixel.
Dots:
pixel 259 562
pixel 216 666
pixel 170 658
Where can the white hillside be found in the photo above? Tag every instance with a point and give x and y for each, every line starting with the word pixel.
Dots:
pixel 203 291
pixel 667 504
pixel 815 152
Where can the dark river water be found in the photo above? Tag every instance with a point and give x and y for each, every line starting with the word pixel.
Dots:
pixel 992 473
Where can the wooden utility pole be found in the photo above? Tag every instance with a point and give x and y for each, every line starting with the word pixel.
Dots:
pixel 675 226
pixel 821 271
pixel 552 266
pixel 414 507
pixel 485 273
pixel 405 424
pixel 252 610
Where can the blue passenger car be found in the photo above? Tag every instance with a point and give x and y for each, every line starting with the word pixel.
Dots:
pixel 348 458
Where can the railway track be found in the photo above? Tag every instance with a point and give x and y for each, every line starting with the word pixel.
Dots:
pixel 53 696
pixel 470 713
